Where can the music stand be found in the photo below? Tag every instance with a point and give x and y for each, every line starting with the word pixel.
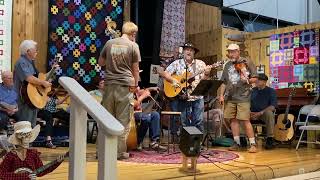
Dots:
pixel 207 88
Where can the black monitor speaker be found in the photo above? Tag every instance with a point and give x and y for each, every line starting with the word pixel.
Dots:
pixel 190 141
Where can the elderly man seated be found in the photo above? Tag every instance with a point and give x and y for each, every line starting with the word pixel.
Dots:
pixel 8 99
pixel 263 104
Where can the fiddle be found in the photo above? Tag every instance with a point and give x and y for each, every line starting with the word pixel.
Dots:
pixel 241 67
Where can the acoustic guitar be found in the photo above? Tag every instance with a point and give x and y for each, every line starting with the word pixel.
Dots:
pixel 284 130
pixel 171 91
pixel 36 96
pixel 40 169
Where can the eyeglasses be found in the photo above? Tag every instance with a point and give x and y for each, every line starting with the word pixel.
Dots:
pixel 7 77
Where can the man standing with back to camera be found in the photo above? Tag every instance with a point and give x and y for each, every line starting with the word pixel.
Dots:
pixel 121 57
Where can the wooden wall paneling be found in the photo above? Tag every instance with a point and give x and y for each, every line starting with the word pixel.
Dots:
pixel 30 21
pixel 18 28
pixel 41 33
pixel 225 42
pixel 201 18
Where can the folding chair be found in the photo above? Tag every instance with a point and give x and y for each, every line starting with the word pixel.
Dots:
pixel 315 112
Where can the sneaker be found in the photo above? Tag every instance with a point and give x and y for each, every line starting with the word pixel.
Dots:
pixel 139 147
pixel 253 148
pixel 269 143
pixel 50 145
pixel 123 156
pixel 234 147
pixel 156 146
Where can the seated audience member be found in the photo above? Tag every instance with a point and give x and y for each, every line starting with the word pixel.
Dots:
pixel 8 99
pixel 49 112
pixel 263 104
pixel 98 93
pixel 147 120
pixel 23 156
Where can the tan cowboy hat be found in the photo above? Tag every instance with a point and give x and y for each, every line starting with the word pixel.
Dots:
pixel 24 127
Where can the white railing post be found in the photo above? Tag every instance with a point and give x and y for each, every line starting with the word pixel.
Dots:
pixel 107 156
pixel 109 130
pixel 77 141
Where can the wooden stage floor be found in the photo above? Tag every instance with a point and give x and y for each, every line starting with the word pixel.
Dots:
pixel 283 161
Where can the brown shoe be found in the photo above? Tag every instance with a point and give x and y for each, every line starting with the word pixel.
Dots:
pixel 234 147
pixel 253 148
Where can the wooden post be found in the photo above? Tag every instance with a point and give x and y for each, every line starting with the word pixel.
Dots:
pixel 78 141
pixel 107 156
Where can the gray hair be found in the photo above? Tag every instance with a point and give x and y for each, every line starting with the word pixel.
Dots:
pixel 6 73
pixel 26 45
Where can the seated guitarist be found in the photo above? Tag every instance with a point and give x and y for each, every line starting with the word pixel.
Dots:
pixel 263 104
pixel 147 120
pixel 182 103
pixel 25 71
pixel 22 156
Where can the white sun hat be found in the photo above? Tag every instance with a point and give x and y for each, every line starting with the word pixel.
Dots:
pixel 24 127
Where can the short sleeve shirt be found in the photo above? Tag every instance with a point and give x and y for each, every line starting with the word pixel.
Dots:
pixel 120 54
pixel 23 68
pixel 197 66
pixel 8 95
pixel 237 90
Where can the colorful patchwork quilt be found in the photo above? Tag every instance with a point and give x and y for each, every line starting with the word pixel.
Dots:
pixel 78 32
pixel 294 60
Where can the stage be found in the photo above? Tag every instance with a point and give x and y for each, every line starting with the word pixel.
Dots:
pixel 280 162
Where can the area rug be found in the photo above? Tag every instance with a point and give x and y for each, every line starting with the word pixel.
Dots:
pixel 154 157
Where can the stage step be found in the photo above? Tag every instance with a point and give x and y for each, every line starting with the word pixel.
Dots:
pixel 312 175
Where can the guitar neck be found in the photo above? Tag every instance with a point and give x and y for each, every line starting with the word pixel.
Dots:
pixel 288 105
pixel 46 166
pixel 50 74
pixel 203 70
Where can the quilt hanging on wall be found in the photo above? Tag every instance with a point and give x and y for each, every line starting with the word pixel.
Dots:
pixel 294 60
pixel 77 33
pixel 5 34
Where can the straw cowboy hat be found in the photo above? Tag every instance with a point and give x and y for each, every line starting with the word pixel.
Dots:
pixel 24 127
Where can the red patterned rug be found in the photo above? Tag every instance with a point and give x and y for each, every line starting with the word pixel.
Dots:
pixel 175 158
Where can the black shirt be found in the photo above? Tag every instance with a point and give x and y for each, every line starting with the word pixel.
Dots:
pixel 261 99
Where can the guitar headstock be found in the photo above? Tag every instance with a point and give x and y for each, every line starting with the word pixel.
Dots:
pixel 292 92
pixel 216 64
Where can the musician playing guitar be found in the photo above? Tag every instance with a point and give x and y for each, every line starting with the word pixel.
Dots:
pixel 26 72
pixel 181 103
pixel 22 159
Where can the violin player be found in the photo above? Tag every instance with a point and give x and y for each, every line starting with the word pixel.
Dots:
pixel 237 76
pixel 147 120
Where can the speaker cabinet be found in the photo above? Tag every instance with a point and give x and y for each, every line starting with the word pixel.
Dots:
pixel 190 141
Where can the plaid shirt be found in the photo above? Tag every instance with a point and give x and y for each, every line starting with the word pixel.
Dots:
pixel 12 162
pixel 178 67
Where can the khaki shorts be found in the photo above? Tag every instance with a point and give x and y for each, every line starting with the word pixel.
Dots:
pixel 241 110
